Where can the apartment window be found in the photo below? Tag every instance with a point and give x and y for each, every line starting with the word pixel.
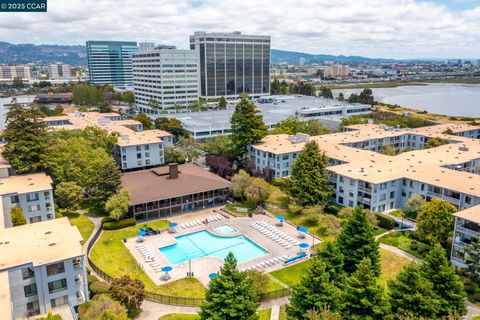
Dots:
pixel 35 219
pixel 392 194
pixel 468 200
pixel 49 216
pixel 147 147
pixel 55 268
pixel 139 156
pixel 33 208
pixel 46 194
pixel 147 154
pixel 27 273
pixel 57 285
pixel 139 163
pixel 30 290
pixel 14 199
pixel 139 148
pixel 60 301
pixel 340 200
pixel 147 162
pixel 285 157
pixel 33 308
pixel 124 158
pixel 32 196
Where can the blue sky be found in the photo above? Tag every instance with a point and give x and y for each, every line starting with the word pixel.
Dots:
pixel 373 28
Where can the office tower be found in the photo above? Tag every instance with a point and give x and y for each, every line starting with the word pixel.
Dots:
pixel 146 46
pixel 232 63
pixel 164 77
pixel 59 71
pixel 110 62
pixel 301 61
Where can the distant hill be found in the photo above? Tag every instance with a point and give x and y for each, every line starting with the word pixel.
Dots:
pixel 16 54
pixel 292 57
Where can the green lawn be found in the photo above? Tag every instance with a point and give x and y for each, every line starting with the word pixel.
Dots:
pixel 264 314
pixel 392 264
pixel 245 204
pixel 403 242
pixel 283 313
pixel 112 257
pixel 177 316
pixel 84 225
pixel 291 275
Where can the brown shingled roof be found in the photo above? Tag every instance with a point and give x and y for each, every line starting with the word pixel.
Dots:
pixel 147 185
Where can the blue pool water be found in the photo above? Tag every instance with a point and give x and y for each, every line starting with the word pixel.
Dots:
pixel 225 230
pixel 203 243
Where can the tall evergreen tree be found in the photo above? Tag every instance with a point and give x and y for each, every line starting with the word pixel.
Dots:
pixel 247 126
pixel 333 258
pixel 356 242
pixel 473 256
pixel 222 103
pixel 412 295
pixel 315 291
pixel 364 297
pixel 26 138
pixel 447 285
pixel 309 179
pixel 230 295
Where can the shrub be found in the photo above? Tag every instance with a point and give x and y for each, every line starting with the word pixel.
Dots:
pixel 295 208
pixel 311 219
pixel 91 279
pixel 333 208
pixel 280 182
pixel 114 225
pixel 345 213
pixel 422 250
pixel 99 287
pixel 329 225
pixel 414 245
pixel 476 297
pixel 107 219
pixel 385 222
pixel 469 288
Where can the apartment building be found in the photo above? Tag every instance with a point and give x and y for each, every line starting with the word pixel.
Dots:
pixel 232 63
pixel 60 71
pixel 8 73
pixel 361 175
pixel 110 62
pixel 42 268
pixel 135 149
pixel 336 71
pixel 30 192
pixel 164 77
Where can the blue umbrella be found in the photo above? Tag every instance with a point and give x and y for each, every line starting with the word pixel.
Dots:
pixel 141 233
pixel 302 229
pixel 303 245
pixel 212 275
pixel 173 224
pixel 167 269
pixel 281 218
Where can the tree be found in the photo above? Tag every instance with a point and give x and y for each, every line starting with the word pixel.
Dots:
pixel 315 291
pixel 247 127
pixel 435 221
pixel 26 138
pixel 258 191
pixel 435 142
pixel 222 103
pixel 172 125
pixel 129 292
pixel 240 183
pixel 172 155
pixel 190 148
pixel 364 97
pixel 364 297
pixel 341 97
pixel 17 217
pixel 145 120
pixel 325 314
pixel 88 95
pixel 153 104
pixel 69 195
pixel 411 294
pixel 128 97
pixel 259 281
pixel 447 285
pixel 17 82
pixel 309 180
pixel 356 242
pixel 118 204
pixel 326 93
pixel 352 120
pixel 230 295
pixel 293 125
pixel 220 165
pixel 472 257
pixel 388 149
pixel 218 145
pixel 101 304
pixel 413 205
pixel 105 183
pixel 334 261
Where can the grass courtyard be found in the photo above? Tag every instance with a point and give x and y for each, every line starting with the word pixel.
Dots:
pixel 403 241
pixel 112 257
pixel 84 225
pixel 262 315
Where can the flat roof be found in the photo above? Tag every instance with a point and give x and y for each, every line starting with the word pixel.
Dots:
pixel 273 112
pixel 155 184
pixel 25 183
pixel 426 165
pixel 127 136
pixel 5 304
pixel 39 243
pixel 471 214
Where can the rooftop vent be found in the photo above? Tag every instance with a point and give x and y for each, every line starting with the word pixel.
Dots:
pixel 48 232
pixel 51 244
pixel 463 147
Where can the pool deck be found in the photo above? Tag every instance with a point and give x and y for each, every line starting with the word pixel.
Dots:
pixel 204 266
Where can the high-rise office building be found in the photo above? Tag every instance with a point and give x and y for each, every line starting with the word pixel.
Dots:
pixel 59 71
pixel 232 63
pixel 164 77
pixel 110 62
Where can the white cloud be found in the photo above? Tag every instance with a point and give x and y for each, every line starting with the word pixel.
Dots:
pixel 376 28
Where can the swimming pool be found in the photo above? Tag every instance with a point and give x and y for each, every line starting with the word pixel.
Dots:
pixel 203 243
pixel 226 229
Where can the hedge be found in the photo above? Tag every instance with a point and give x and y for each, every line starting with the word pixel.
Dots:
pixel 91 279
pixel 99 287
pixel 114 225
pixel 385 222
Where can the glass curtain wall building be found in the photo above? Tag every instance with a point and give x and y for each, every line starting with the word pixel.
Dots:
pixel 232 63
pixel 110 62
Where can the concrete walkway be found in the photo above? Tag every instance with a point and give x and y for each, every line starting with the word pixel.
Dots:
pixel 275 314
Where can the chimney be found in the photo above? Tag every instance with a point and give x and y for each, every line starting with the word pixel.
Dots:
pixel 173 171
